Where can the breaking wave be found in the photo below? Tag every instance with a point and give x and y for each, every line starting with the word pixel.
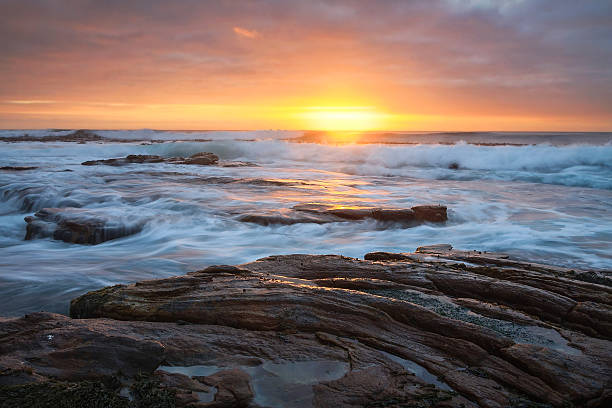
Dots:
pixel 573 165
pixel 519 200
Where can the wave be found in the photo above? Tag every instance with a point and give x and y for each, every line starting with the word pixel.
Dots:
pixel 574 165
pixel 33 132
pixel 160 135
pixel 570 165
pixel 465 156
pixel 323 137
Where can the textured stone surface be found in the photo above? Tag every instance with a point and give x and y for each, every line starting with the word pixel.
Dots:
pixel 323 213
pixel 413 329
pixel 202 158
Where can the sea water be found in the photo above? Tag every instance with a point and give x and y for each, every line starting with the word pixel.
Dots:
pixel 540 196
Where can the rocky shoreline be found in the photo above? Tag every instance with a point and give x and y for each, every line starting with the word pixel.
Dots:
pixel 437 327
pixel 91 227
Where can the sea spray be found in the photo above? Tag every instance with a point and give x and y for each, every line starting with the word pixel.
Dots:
pixel 543 201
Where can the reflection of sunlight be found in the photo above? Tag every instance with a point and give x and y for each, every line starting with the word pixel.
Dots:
pixel 337 118
pixel 334 193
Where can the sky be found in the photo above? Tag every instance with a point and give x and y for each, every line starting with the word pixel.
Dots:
pixel 463 65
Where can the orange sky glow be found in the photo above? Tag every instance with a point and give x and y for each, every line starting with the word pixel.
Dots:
pixel 351 65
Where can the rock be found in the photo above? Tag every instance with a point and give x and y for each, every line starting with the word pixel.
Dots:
pixel 323 213
pixel 410 329
pixel 233 387
pixel 236 164
pixel 420 213
pixel 431 213
pixel 285 218
pixel 202 158
pixel 453 166
pixel 594 277
pixel 17 168
pixel 384 256
pixel 435 248
pixel 78 226
pixel 80 136
pixel 52 393
pixel 65 349
pixel 132 158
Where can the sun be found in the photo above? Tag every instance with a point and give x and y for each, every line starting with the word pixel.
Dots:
pixel 342 118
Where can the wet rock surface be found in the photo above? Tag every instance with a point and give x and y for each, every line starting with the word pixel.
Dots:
pixel 17 168
pixel 130 159
pixel 202 158
pixel 323 213
pixel 78 226
pixel 437 327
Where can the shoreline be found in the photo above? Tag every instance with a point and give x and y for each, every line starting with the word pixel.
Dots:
pixel 437 327
pixel 476 138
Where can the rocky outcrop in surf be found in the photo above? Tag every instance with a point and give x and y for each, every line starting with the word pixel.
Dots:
pixel 202 158
pixel 18 168
pixel 79 226
pixel 323 213
pixel 437 327
pixel 79 136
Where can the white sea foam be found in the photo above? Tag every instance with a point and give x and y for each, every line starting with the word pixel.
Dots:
pixel 574 165
pixel 153 134
pixel 546 202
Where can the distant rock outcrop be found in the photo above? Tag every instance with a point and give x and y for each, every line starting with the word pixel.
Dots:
pixel 79 136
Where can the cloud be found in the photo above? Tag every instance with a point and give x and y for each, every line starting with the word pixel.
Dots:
pixel 29 102
pixel 243 32
pixel 436 57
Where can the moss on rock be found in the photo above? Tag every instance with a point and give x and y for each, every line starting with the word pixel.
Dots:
pixel 55 394
pixel 147 392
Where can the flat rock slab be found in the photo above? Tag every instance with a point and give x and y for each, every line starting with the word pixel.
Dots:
pixel 416 329
pixel 323 213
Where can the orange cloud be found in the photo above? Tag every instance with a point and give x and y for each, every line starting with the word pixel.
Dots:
pixel 243 32
pixel 432 65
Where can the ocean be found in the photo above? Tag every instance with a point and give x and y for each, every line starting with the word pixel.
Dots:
pixel 541 196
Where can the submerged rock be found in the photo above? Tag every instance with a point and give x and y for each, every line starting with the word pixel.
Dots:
pixel 78 226
pixel 428 328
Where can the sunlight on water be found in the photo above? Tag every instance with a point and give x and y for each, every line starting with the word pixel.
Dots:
pixel 546 202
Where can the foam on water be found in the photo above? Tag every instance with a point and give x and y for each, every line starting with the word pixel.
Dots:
pixel 573 165
pixel 153 134
pixel 551 203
